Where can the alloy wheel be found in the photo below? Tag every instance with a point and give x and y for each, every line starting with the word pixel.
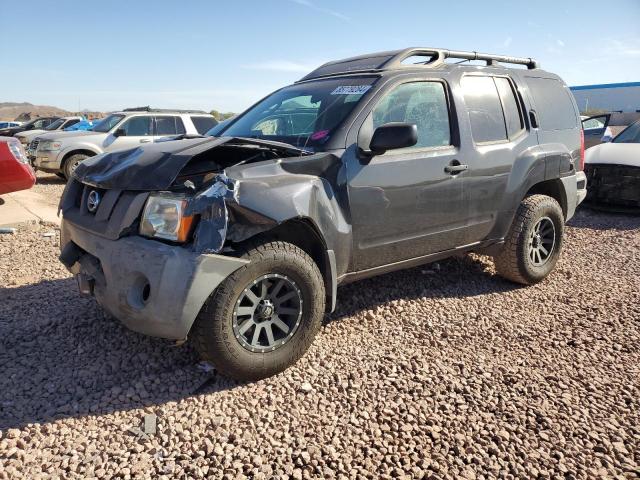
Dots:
pixel 542 241
pixel 267 313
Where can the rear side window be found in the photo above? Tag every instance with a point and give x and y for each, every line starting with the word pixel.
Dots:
pixel 485 109
pixel 203 124
pixel 510 105
pixel 169 126
pixel 553 104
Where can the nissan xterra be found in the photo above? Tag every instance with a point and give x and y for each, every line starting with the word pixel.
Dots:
pixel 364 166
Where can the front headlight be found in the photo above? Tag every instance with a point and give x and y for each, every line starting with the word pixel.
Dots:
pixel 163 217
pixel 50 146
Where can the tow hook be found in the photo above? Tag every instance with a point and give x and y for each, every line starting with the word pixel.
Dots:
pixel 85 284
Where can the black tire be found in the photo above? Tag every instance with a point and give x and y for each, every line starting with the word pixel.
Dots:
pixel 213 333
pixel 518 260
pixel 71 163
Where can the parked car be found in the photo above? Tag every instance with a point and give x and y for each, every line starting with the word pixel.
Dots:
pixel 60 124
pixel 15 171
pixel 613 171
pixel 4 125
pixel 36 123
pixel 240 241
pixel 596 129
pixel 62 152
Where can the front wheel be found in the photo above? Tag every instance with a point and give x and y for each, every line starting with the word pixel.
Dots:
pixel 71 163
pixel 264 316
pixel 534 242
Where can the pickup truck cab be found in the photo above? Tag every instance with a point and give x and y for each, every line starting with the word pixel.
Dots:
pixel 366 165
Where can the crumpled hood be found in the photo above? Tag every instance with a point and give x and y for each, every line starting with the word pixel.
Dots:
pixel 155 166
pixel 614 154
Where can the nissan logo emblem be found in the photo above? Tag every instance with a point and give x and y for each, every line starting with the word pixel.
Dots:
pixel 93 200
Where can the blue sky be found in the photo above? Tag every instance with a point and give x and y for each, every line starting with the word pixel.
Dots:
pixel 225 55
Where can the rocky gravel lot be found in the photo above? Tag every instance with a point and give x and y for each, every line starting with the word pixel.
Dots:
pixel 444 371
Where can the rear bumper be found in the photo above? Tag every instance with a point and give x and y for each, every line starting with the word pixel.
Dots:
pixel 151 287
pixel 575 188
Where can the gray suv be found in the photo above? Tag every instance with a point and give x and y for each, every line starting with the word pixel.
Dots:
pixel 365 166
pixel 61 152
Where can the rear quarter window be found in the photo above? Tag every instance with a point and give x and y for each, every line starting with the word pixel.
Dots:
pixel 553 104
pixel 203 124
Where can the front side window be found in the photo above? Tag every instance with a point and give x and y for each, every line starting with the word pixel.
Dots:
pixel 107 123
pixel 421 103
pixel 169 125
pixel 304 115
pixel 629 135
pixel 485 109
pixel 592 124
pixel 138 127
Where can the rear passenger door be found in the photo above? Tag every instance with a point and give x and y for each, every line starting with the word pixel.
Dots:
pixel 167 125
pixel 494 112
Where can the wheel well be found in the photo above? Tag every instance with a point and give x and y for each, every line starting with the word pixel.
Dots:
pixel 75 152
pixel 553 189
pixel 303 234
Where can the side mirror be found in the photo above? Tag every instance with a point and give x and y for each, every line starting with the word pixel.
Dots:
pixel 120 132
pixel 393 135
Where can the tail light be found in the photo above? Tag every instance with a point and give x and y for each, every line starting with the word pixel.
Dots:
pixel 17 151
pixel 581 149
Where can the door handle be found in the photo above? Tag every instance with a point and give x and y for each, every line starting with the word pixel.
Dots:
pixel 455 168
pixel 145 140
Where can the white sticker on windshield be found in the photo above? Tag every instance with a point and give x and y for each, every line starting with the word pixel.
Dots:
pixel 351 90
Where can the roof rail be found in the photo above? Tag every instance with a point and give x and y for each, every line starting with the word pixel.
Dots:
pixel 434 57
pixel 160 110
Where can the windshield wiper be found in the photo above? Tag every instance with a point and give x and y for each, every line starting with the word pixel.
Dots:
pixel 287 147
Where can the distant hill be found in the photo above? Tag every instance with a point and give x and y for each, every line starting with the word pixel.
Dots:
pixel 12 110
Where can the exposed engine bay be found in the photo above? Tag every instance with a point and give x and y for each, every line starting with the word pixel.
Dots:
pixel 234 187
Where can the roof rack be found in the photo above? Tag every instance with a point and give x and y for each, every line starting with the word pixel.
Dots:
pixel 160 110
pixel 377 62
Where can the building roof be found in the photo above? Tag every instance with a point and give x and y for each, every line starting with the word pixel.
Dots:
pixel 606 85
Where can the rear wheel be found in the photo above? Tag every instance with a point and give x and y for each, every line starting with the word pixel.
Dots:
pixel 264 316
pixel 534 242
pixel 71 163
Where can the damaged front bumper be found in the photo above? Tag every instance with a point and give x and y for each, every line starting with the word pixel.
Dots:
pixel 153 288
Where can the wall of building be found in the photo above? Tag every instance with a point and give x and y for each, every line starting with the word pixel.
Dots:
pixel 612 97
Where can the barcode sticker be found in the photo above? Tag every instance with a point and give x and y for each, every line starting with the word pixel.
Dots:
pixel 351 90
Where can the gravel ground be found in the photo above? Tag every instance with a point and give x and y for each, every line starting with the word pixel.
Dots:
pixel 444 371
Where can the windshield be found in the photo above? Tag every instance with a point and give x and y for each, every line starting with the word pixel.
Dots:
pixel 629 135
pixel 107 123
pixel 304 115
pixel 55 125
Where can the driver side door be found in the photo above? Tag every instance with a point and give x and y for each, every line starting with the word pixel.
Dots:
pixel 136 131
pixel 408 203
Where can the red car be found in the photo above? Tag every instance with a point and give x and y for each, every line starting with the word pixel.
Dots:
pixel 15 171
